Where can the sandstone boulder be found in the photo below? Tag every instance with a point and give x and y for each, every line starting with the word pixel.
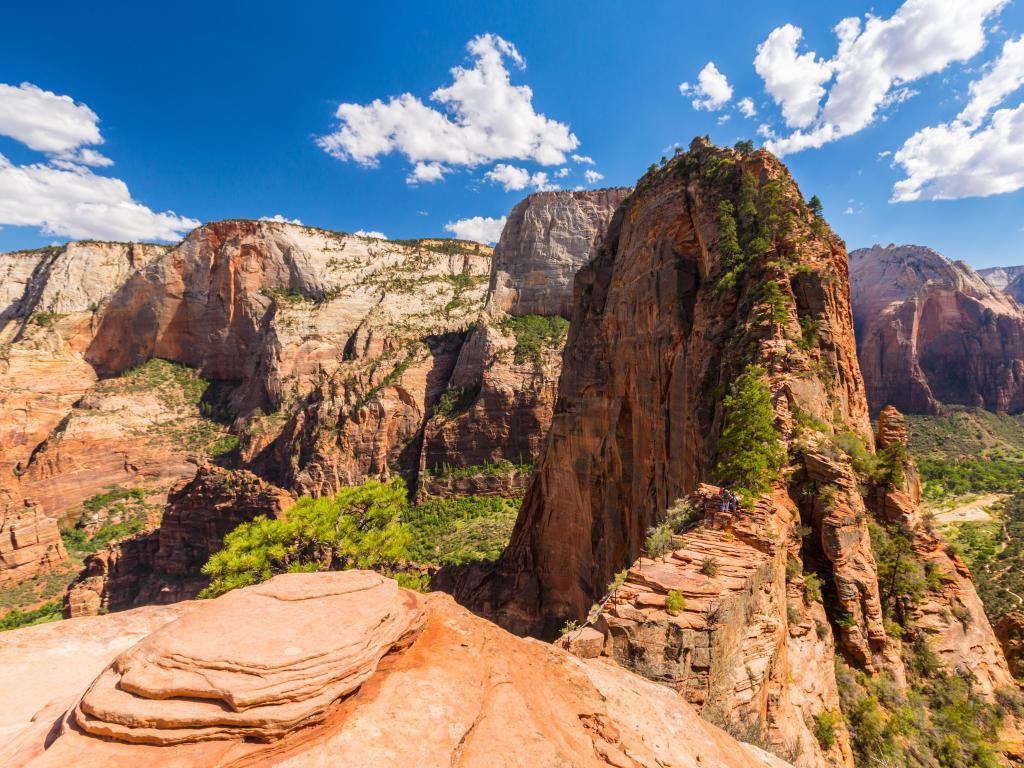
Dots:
pixel 389 677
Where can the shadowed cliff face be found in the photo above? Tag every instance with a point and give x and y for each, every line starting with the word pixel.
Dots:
pixel 931 331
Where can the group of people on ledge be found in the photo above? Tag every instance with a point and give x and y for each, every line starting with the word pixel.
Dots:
pixel 730 501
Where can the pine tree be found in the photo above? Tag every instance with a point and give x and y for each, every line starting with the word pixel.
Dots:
pixel 750 453
pixel 360 527
pixel 815 206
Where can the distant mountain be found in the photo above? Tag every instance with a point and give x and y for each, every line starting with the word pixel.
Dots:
pixel 932 331
pixel 1006 279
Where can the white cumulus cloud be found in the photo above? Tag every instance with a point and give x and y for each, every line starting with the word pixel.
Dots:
pixel 584 159
pixel 795 81
pixel 514 178
pixel 746 107
pixel 426 172
pixel 62 195
pixel 480 229
pixel 981 151
pixel 712 91
pixel 279 219
pixel 77 203
pixel 561 173
pixel 370 233
pixel 592 177
pixel 875 60
pixel 481 118
pixel 44 121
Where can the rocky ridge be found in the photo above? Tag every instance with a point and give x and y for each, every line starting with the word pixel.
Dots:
pixel 482 695
pixel 269 312
pixel 932 331
pixel 665 319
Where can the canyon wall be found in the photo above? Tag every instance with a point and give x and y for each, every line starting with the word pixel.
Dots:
pixel 715 271
pixel 505 381
pixel 932 331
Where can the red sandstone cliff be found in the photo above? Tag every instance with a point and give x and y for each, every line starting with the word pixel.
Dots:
pixel 932 331
pixel 662 324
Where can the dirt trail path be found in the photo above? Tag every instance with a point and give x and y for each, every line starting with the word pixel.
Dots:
pixel 974 511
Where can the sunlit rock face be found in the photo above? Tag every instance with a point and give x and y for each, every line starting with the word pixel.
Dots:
pixel 340 667
pixel 932 331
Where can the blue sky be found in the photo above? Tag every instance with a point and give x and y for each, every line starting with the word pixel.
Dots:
pixel 219 110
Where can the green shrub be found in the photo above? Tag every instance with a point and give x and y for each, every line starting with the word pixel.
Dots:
pixel 675 602
pixel 571 625
pixel 659 540
pixel 618 580
pixel 359 527
pixel 812 587
pixel 15 618
pixel 455 400
pixel 809 330
pixel 750 453
pixel 825 723
pixel 417 582
pixel 709 566
pixel 683 514
pixel 901 575
pixel 534 335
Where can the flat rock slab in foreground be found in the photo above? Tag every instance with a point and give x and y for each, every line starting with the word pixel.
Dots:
pixel 444 688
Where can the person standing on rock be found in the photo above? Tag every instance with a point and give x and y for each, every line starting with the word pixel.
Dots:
pixel 723 494
pixel 734 502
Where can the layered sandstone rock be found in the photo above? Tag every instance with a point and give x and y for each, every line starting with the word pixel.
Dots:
pixel 950 617
pixel 49 304
pixel 652 346
pixel 738 645
pixel 428 684
pixel 931 331
pixel 164 565
pixel 666 317
pixel 279 312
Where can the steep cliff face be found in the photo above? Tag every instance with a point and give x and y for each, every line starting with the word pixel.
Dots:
pixel 50 301
pixel 714 263
pixel 237 326
pixel 503 387
pixel 931 331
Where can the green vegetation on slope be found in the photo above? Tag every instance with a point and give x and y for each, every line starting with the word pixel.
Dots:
pixel 16 618
pixel 994 551
pixel 967 451
pixel 201 404
pixel 750 454
pixel 123 512
pixel 367 526
pixel 534 335
pixel 498 468
pixel 456 531
pixel 939 719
